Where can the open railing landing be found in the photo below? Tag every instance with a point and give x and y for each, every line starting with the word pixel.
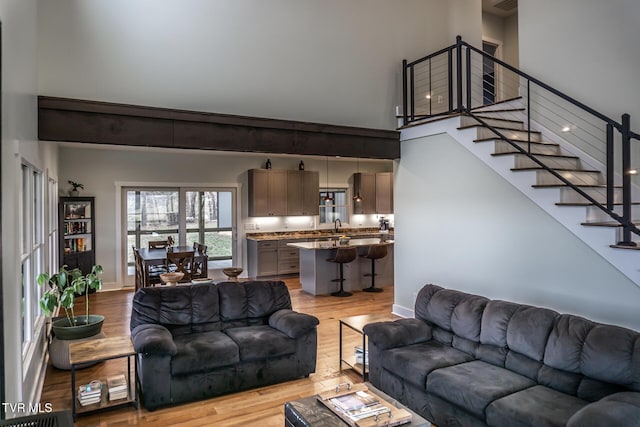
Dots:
pixel 461 79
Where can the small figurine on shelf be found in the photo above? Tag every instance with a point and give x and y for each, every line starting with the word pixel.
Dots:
pixel 268 164
pixel 74 188
pixel 301 165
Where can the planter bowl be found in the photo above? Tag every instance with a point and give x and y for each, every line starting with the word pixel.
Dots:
pixel 80 329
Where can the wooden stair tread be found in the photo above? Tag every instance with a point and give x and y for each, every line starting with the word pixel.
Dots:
pixel 564 156
pixel 480 125
pixel 614 224
pixel 635 248
pixel 540 168
pixel 585 203
pixel 538 143
pixel 575 185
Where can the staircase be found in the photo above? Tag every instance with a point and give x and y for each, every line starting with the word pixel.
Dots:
pixel 566 205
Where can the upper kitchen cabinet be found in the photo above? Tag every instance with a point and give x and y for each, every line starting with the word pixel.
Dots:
pixel 303 188
pixel 267 192
pixel 376 190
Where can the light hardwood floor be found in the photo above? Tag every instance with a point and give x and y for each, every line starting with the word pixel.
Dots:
pixel 259 407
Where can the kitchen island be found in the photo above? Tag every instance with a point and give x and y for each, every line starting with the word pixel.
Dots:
pixel 317 272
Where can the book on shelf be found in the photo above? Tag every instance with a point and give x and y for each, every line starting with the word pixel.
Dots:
pixel 118 387
pixel 90 393
pixel 360 355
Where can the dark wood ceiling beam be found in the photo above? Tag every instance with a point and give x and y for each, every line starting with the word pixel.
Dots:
pixel 74 120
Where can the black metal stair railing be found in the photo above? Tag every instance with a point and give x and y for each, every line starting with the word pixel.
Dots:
pixel 461 79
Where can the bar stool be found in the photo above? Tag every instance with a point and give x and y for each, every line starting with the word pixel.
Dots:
pixel 343 256
pixel 375 252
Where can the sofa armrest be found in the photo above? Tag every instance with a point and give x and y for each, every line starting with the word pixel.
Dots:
pixel 614 410
pixel 398 333
pixel 155 339
pixel 291 323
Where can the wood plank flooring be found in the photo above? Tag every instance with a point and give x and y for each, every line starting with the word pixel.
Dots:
pixel 259 407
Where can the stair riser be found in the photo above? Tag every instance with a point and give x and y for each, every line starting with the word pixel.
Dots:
pixel 522 161
pixel 544 177
pixel 470 121
pixel 595 214
pixel 505 147
pixel 619 237
pixel 568 195
pixel 486 133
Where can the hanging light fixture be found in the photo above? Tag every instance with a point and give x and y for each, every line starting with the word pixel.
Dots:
pixel 327 197
pixel 357 198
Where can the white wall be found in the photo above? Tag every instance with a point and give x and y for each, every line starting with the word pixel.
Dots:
pixel 586 48
pixel 23 373
pixel 329 61
pixel 464 227
pixel 101 169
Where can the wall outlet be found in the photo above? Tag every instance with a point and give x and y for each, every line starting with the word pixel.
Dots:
pixel 439 99
pixel 249 226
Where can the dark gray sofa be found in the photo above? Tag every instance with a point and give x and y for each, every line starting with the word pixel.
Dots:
pixel 466 360
pixel 204 340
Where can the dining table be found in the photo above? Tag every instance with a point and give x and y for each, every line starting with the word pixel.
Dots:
pixel 156 257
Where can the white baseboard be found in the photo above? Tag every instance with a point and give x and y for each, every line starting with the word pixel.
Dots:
pixel 401 311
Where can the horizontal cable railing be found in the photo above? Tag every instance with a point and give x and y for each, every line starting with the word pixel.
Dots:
pixel 463 79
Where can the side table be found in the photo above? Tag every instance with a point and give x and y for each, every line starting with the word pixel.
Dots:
pixel 356 323
pixel 99 350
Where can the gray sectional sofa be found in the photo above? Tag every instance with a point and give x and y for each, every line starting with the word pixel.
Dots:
pixel 465 360
pixel 199 341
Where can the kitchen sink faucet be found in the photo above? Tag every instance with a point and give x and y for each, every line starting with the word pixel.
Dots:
pixel 336 227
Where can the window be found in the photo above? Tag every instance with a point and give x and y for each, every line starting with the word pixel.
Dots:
pixel 32 248
pixel 333 209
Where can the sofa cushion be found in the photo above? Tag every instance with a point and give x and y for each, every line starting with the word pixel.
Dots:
pixel 414 363
pixel 204 351
pixel 474 385
pixel 250 303
pixel 261 342
pixel 536 406
pixel 620 409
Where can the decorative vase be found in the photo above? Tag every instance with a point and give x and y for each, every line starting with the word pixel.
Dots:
pixel 63 335
pixel 74 193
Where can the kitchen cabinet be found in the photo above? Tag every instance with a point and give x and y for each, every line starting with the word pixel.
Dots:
pixel 262 258
pixel 376 190
pixel 272 257
pixel 303 188
pixel 267 192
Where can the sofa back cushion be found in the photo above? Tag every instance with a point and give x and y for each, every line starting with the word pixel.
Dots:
pixel 251 303
pixel 207 307
pixel 602 352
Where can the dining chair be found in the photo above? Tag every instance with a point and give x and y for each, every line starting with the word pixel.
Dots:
pixel 199 263
pixel 141 279
pixel 181 262
pixel 159 244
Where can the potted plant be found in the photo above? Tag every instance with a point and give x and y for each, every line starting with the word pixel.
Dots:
pixel 64 286
pixel 74 188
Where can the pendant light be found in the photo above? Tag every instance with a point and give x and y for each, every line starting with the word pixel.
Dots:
pixel 357 198
pixel 327 198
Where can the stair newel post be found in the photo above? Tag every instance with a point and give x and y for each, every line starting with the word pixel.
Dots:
pixel 626 182
pixel 610 167
pixel 404 92
pixel 411 93
pixel 529 116
pixel 459 72
pixel 450 70
pixel 468 104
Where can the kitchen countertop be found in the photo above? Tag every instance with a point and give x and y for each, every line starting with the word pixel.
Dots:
pixel 322 245
pixel 316 234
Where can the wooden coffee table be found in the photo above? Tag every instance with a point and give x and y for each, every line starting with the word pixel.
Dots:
pixel 356 323
pixel 310 411
pixel 99 350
